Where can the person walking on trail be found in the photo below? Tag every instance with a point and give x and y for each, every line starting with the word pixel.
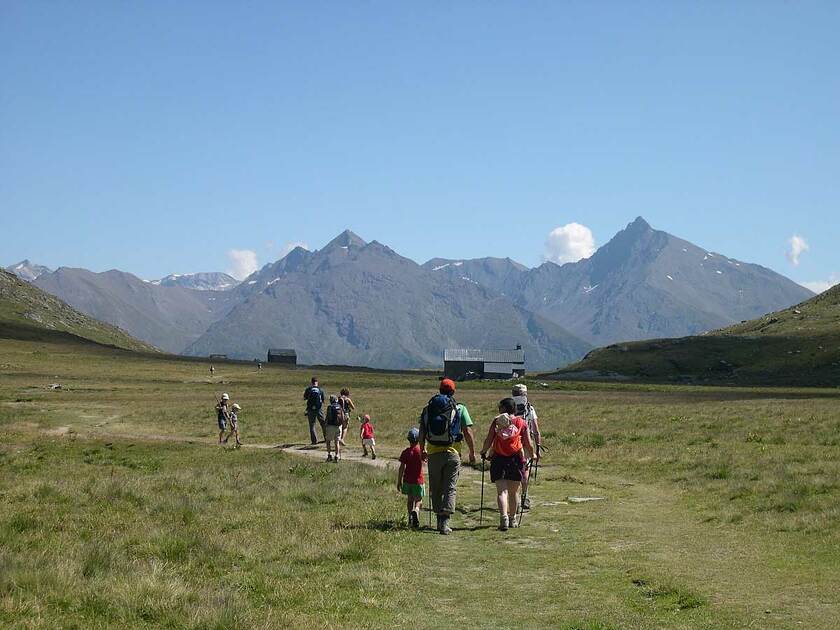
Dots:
pixel 234 424
pixel 444 424
pixel 314 397
pixel 410 477
pixel 348 406
pixel 526 411
pixel 332 428
pixel 508 444
pixel 366 435
pixel 223 415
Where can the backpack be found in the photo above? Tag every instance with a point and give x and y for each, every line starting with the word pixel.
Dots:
pixel 521 405
pixel 442 421
pixel 335 414
pixel 315 399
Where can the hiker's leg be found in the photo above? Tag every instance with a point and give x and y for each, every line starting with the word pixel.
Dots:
pixel 322 421
pixel 513 497
pixel 526 475
pixel 435 466
pixel 451 468
pixel 502 495
pixel 312 416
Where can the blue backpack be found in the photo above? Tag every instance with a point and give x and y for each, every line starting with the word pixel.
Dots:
pixel 442 421
pixel 315 399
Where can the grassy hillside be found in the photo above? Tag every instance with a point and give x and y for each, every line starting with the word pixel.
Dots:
pixel 799 345
pixel 26 312
pixel 719 505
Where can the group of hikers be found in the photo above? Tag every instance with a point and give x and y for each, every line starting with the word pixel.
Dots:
pixel 513 446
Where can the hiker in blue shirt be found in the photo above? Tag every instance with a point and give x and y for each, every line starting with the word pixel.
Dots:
pixel 314 397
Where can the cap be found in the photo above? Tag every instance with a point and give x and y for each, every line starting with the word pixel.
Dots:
pixel 447 386
pixel 519 390
pixel 413 434
pixel 225 397
pixel 236 407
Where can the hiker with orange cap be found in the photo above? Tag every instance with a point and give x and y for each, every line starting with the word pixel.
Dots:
pixel 444 424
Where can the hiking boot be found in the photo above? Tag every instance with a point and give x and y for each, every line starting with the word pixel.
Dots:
pixel 526 504
pixel 373 456
pixel 443 525
pixel 503 523
pixel 415 520
pixel 329 457
pixel 512 522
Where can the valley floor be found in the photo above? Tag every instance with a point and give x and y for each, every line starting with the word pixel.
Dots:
pixel 720 505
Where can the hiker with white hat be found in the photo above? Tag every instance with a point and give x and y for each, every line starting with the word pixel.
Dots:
pixel 223 415
pixel 526 411
pixel 234 423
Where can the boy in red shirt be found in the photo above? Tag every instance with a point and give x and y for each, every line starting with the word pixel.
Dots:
pixel 368 441
pixel 410 477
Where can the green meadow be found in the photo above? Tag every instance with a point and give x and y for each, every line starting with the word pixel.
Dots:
pixel 720 507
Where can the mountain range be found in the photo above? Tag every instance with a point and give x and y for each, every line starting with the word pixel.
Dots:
pixel 360 303
pixel 203 281
pixel 26 270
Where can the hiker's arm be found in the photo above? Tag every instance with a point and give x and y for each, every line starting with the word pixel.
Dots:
pixel 529 448
pixel 535 423
pixel 488 441
pixel 468 436
pixel 421 440
pixel 400 474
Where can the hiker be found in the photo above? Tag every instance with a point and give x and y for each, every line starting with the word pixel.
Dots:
pixel 222 415
pixel 332 428
pixel 444 424
pixel 504 445
pixel 314 397
pixel 348 406
pixel 366 435
pixel 212 370
pixel 234 423
pixel 410 477
pixel 526 411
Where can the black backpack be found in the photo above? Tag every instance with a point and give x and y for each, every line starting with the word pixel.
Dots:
pixel 442 421
pixel 335 414
pixel 315 399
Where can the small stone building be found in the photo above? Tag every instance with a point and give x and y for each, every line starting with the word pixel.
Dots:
pixel 457 362
pixel 282 355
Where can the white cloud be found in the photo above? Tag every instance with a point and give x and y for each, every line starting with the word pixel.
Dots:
pixel 243 263
pixel 798 246
pixel 569 243
pixel 819 286
pixel 290 245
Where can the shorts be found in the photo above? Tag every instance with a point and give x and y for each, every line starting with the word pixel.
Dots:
pixel 222 424
pixel 368 442
pixel 413 490
pixel 510 467
pixel 331 432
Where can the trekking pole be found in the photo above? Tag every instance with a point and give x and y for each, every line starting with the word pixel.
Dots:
pixel 481 509
pixel 525 493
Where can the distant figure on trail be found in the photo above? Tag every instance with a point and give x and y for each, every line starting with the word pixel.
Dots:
pixel 234 424
pixel 212 370
pixel 314 397
pixel 410 477
pixel 332 428
pixel 222 415
pixel 444 424
pixel 348 406
pixel 526 411
pixel 504 445
pixel 366 435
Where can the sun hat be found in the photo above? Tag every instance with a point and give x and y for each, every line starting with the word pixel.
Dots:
pixel 413 434
pixel 447 386
pixel 502 420
pixel 225 397
pixel 519 390
pixel 236 407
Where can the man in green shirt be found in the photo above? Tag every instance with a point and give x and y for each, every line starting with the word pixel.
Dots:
pixel 443 451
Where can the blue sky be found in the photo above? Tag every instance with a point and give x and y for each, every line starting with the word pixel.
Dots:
pixel 156 137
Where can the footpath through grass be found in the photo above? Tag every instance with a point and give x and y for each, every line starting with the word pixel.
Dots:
pixel 720 510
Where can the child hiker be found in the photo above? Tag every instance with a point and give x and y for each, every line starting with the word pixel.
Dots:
pixel 410 477
pixel 366 433
pixel 508 432
pixel 332 428
pixel 234 423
